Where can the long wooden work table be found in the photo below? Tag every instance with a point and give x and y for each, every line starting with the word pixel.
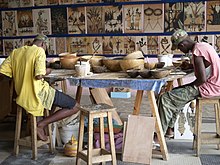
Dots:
pixel 120 79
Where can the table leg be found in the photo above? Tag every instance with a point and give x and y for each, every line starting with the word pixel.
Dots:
pixel 169 86
pixel 159 131
pixel 78 94
pixel 180 81
pixel 137 104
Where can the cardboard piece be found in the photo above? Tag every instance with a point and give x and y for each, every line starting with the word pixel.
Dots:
pixel 100 95
pixel 138 139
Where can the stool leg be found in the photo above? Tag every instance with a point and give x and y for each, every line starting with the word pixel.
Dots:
pixel 196 126
pixel 111 138
pixel 80 137
pixel 102 133
pixel 17 130
pixel 90 140
pixel 34 137
pixel 217 108
pixel 198 131
pixel 51 145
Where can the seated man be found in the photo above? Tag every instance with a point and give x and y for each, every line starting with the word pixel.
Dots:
pixel 27 67
pixel 206 66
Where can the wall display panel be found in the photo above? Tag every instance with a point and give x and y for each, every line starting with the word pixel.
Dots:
pixel 41 19
pixel 28 41
pixel 59 20
pixel 8 46
pixel 40 2
pixel 80 1
pixel 77 44
pixel 95 20
pixel 95 45
pixel 26 3
pixel 18 43
pixel 152 45
pixel 25 22
pixel 217 43
pixel 206 38
pixel 61 45
pixel 66 2
pixel 93 1
pixel 1 47
pixel 165 45
pixel 118 45
pixel 9 23
pixel 173 16
pixel 133 18
pixel 76 20
pixel 141 43
pixel 129 44
pixel 1 30
pixel 52 2
pixel 213 15
pixel 113 19
pixel 3 3
pixel 107 45
pixel 52 46
pixel 13 3
pixel 194 16
pixel 153 18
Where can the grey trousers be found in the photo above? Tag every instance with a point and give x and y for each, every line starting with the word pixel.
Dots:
pixel 171 102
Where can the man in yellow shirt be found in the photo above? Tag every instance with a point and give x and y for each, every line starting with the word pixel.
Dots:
pixel 27 67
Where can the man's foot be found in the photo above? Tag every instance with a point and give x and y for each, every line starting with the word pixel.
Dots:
pixel 41 134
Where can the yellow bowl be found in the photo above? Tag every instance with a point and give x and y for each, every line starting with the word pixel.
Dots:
pixel 113 64
pixel 68 62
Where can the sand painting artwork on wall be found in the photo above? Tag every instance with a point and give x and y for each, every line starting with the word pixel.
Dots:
pixel 80 1
pixel 153 18
pixel 60 45
pixel 9 23
pixel 213 15
pixel 113 19
pixel 13 3
pixel 52 46
pixel 28 41
pixel 42 24
pixel 133 18
pixel 3 3
pixel 95 45
pixel 194 20
pixel 26 3
pixel 1 30
pixel 59 20
pixel 52 2
pixel 165 45
pixel 66 1
pixel 18 43
pixel 207 38
pixel 173 16
pixel 217 43
pixel 93 1
pixel 77 44
pixel 40 3
pixel 8 46
pixel 76 20
pixel 95 20
pixel 1 47
pixel 129 44
pixel 107 45
pixel 118 45
pixel 25 22
pixel 152 45
pixel 141 44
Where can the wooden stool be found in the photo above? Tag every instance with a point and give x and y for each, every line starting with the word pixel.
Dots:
pixel 206 138
pixel 30 141
pixel 101 154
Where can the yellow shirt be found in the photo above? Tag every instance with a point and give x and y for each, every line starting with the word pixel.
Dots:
pixel 23 65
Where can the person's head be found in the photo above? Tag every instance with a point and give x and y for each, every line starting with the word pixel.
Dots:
pixel 180 40
pixel 42 41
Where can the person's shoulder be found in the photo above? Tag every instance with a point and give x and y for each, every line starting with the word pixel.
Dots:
pixel 202 45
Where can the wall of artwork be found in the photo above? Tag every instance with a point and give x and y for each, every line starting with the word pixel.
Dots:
pixel 109 27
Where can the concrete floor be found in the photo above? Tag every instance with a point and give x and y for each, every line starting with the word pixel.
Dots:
pixel 180 151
